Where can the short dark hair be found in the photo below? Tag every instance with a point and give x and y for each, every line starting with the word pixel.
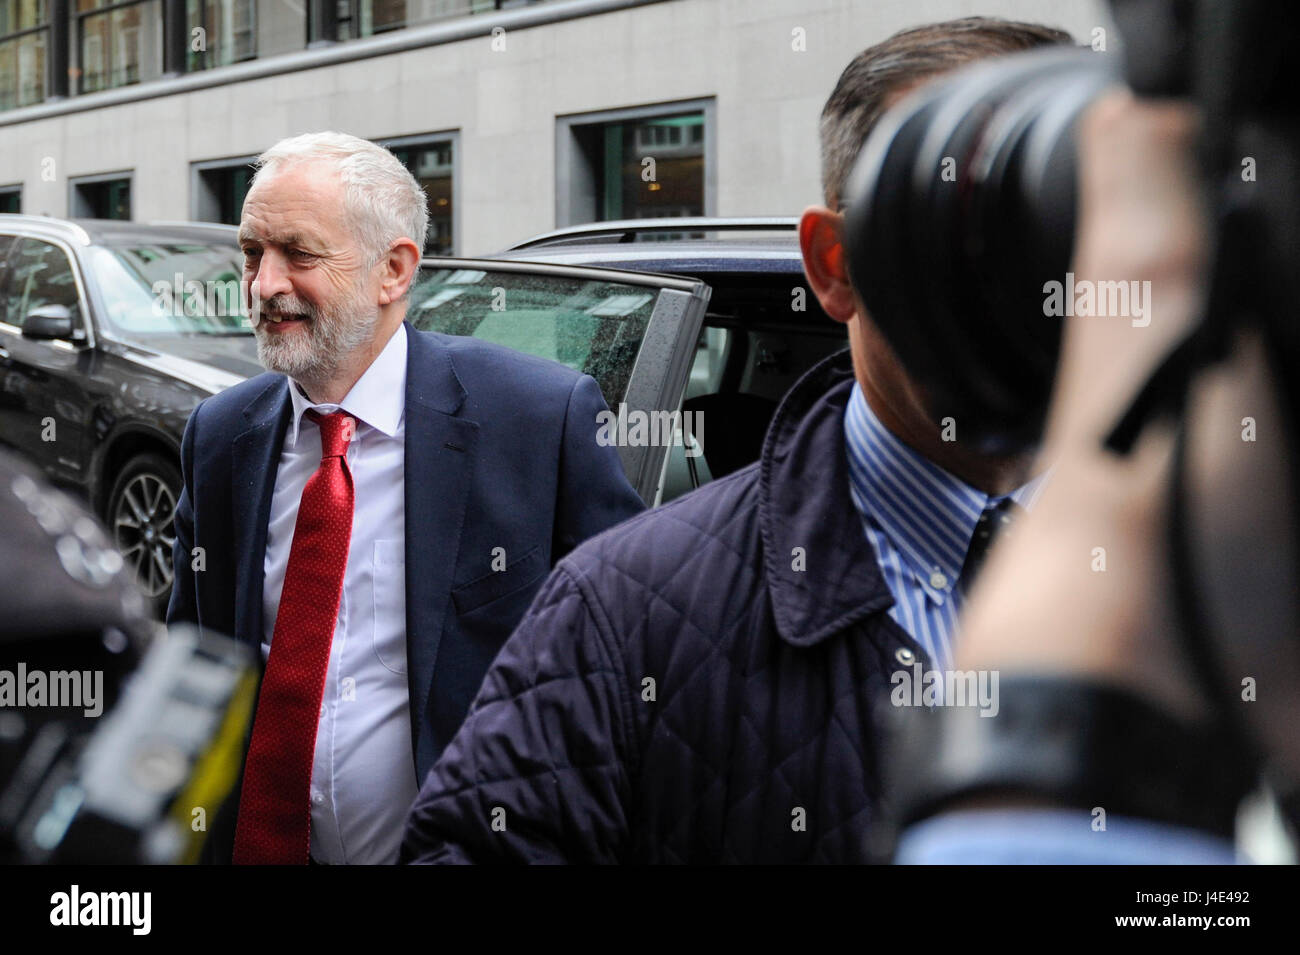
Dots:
pixel 858 100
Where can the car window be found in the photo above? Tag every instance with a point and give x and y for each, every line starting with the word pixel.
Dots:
pixel 39 274
pixel 592 325
pixel 757 340
pixel 171 288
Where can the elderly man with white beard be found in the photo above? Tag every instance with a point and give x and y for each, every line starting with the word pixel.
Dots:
pixel 346 511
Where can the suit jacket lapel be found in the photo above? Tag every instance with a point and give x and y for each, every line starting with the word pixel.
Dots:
pixel 440 448
pixel 254 463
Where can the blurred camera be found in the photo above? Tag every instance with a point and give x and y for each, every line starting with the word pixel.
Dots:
pixel 961 209
pixel 960 219
pixel 144 783
pixel 960 212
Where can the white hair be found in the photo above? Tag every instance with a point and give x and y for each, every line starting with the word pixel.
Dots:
pixel 381 199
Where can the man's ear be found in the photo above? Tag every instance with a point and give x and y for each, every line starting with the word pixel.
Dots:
pixel 820 232
pixel 399 268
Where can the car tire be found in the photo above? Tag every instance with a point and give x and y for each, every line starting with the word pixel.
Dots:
pixel 140 514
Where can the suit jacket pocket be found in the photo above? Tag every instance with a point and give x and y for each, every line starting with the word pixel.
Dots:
pixel 520 573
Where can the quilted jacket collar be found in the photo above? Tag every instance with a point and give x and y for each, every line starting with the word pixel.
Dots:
pixel 821 570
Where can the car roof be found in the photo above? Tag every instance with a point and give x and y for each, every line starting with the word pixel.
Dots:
pixel 628 230
pixel 692 257
pixel 94 231
pixel 693 245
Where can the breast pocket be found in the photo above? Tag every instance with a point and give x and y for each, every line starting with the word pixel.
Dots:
pixel 390 604
pixel 498 599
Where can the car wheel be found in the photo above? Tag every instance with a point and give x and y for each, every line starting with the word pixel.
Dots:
pixel 141 508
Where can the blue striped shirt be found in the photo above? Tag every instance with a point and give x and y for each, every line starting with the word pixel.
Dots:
pixel 920 521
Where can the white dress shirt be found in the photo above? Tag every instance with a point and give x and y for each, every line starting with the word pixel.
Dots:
pixel 363 776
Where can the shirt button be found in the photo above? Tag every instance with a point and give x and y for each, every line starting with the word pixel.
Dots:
pixel 938 580
pixel 317 799
pixel 905 656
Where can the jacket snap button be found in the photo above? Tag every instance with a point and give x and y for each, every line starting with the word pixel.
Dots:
pixel 905 656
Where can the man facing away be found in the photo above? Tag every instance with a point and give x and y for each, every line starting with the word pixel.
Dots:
pixel 701 684
pixel 353 506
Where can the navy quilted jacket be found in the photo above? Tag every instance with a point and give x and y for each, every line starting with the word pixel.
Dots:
pixel 701 683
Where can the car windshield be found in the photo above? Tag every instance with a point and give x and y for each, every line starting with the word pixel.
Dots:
pixel 171 288
pixel 591 325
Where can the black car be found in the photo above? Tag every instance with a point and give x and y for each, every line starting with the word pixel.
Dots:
pixel 104 353
pixel 111 333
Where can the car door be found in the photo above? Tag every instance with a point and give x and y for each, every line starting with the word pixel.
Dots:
pixel 44 407
pixel 634 332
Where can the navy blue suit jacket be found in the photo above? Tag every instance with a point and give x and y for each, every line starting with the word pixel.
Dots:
pixel 501 452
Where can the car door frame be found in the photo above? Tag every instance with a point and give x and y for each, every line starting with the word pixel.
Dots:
pixel 658 377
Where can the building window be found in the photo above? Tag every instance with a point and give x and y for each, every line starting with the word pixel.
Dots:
pixel 11 199
pixel 119 43
pixel 101 197
pixel 24 29
pixel 218 189
pixel 644 163
pixel 432 160
pixel 359 18
pixel 219 186
pixel 225 31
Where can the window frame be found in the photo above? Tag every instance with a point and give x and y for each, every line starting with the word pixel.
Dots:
pixel 79 42
pixel 567 173
pixel 417 140
pixel 75 202
pixel 42 27
pixel 200 199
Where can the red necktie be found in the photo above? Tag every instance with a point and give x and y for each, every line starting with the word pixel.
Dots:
pixel 274 826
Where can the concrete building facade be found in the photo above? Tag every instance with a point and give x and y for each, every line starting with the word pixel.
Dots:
pixel 518 120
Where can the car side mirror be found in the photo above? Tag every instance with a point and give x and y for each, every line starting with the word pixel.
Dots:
pixel 50 322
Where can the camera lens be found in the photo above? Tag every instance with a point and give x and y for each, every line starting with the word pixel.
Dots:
pixel 961 207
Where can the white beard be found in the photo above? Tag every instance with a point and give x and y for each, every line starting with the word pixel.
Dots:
pixel 333 332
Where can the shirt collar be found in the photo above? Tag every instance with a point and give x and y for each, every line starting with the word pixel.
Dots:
pixel 927 513
pixel 377 399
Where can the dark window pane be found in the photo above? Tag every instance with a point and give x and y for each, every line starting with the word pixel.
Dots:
pixel 121 47
pixel 18 15
pixel 224 189
pixel 432 167
pixel 639 168
pixel 110 199
pixel 358 18
pixel 671 183
pixel 229 32
pixel 386 14
pixel 22 70
pixel 39 274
